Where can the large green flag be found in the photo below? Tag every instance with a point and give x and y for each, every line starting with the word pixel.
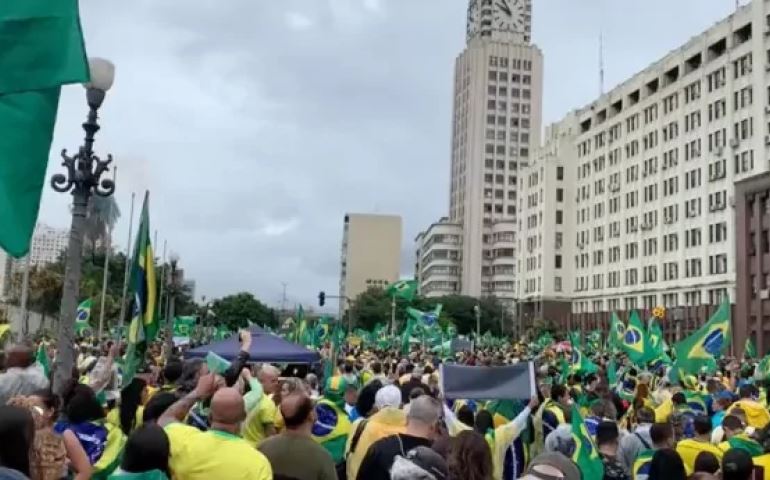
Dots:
pixel 574 339
pixel 636 343
pixel 702 347
pixel 407 335
pixel 617 333
pixel 657 342
pixel 144 315
pixel 586 455
pixel 41 47
pixel 406 289
pixel 612 372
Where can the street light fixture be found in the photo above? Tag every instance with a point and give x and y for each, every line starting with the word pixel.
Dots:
pixel 477 311
pixel 83 179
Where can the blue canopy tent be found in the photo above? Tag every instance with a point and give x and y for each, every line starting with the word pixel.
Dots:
pixel 265 347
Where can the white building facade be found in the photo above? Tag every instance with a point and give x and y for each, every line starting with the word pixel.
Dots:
pixel 653 170
pixel 48 243
pixel 497 112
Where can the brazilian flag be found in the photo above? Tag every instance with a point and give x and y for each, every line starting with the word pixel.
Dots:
pixel 636 343
pixel 657 343
pixel 323 329
pixel 580 364
pixel 406 289
pixel 617 332
pixel 144 317
pixel 708 342
pixel 332 426
pixel 586 455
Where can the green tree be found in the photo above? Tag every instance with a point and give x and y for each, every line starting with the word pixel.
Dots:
pixel 102 215
pixel 373 307
pixel 237 311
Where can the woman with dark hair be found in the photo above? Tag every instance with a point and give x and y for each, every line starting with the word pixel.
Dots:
pixel 83 426
pixel 666 464
pixel 469 457
pixel 17 433
pixel 147 453
pixel 128 415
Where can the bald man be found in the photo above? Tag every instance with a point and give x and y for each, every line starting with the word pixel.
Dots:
pixel 296 441
pixel 22 376
pixel 260 421
pixel 218 452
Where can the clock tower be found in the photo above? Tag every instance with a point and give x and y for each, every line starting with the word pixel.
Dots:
pixel 501 20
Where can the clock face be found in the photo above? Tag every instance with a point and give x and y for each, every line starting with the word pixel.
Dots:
pixel 509 15
pixel 473 18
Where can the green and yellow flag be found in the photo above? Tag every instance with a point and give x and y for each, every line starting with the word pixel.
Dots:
pixel 41 358
pixel 586 455
pixel 406 289
pixel 636 343
pixel 144 316
pixel 617 332
pixel 702 347
pixel 42 49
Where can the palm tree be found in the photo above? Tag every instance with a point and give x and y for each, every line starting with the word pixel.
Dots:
pixel 102 215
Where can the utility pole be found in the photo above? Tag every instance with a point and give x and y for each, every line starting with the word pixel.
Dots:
pixel 25 295
pixel 283 299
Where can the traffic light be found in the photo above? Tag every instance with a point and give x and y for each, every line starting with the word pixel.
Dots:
pixel 321 299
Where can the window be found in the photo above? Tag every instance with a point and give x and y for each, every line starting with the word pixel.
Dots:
pixel 718 264
pixel 559 217
pixel 692 237
pixel 559 194
pixel 692 268
pixel 557 261
pixel 718 232
pixel 557 284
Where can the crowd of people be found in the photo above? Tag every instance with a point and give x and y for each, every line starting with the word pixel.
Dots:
pixel 376 415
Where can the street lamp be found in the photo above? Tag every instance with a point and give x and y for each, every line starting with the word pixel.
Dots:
pixel 171 288
pixel 83 179
pixel 477 311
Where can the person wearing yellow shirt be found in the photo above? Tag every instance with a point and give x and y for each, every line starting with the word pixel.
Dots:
pixel 388 420
pixel 689 448
pixel 218 452
pixel 757 416
pixel 550 414
pixel 260 422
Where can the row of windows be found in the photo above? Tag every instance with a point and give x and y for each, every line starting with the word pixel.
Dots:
pixel 688 298
pixel 717 233
pixel 691 268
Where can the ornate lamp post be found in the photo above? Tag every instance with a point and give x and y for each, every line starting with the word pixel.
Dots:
pixel 83 179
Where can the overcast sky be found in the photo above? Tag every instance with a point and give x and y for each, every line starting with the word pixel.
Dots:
pixel 256 124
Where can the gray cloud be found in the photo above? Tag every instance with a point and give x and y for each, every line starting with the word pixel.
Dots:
pixel 258 124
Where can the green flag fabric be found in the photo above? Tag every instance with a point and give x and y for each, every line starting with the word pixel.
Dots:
pixel 41 358
pixel 216 364
pixel 749 350
pixel 144 319
pixel 612 372
pixel 183 326
pixel 42 49
pixel 700 349
pixel 617 332
pixel 636 343
pixel 406 289
pixel 586 455
pixel 580 364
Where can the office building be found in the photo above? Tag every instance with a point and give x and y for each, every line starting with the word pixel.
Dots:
pixel 48 243
pixel 371 253
pixel 496 122
pixel 654 168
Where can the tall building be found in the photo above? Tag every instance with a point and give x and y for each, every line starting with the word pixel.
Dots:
pixel 497 111
pixel 545 227
pixel 654 167
pixel 371 253
pixel 48 243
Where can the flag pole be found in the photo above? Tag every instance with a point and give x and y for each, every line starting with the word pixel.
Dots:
pixel 106 274
pixel 121 319
pixel 25 294
pixel 392 315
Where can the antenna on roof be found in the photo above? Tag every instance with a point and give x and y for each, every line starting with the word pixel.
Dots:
pixel 601 64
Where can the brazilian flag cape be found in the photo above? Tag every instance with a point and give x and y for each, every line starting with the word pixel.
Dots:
pixel 331 428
